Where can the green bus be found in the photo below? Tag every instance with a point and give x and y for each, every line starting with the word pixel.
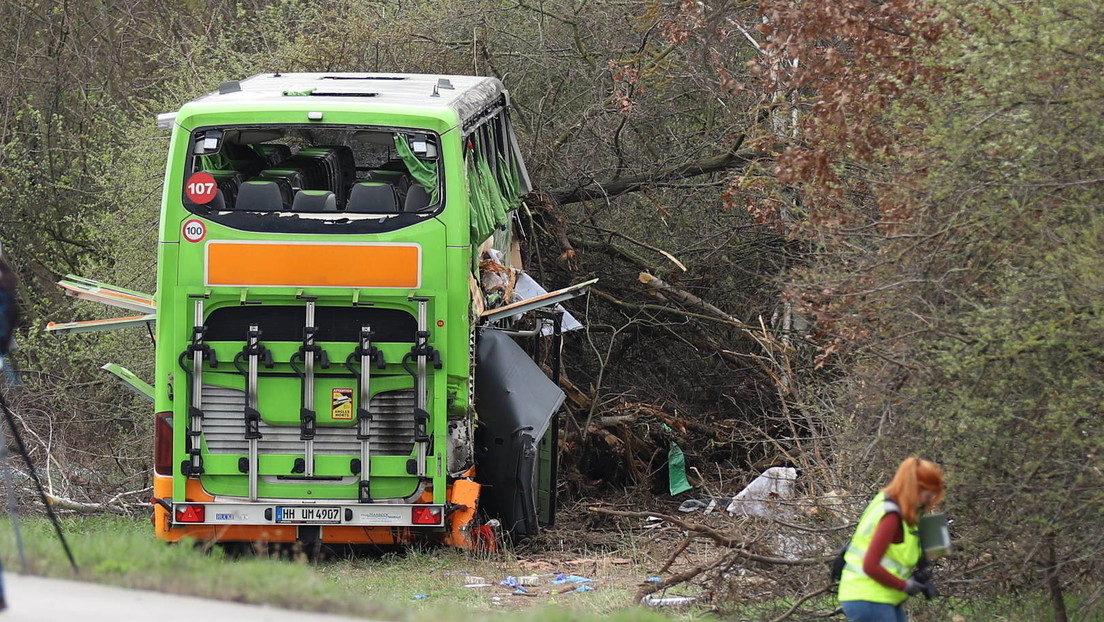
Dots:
pixel 329 367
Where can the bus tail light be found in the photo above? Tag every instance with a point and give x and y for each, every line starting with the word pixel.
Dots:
pixel 162 443
pixel 426 516
pixel 190 513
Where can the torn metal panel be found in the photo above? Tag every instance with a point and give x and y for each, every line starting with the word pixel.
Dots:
pixel 88 289
pixel 539 301
pixel 132 382
pixel 91 326
pixel 529 289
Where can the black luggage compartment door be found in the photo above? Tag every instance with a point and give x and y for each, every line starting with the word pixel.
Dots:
pixel 515 402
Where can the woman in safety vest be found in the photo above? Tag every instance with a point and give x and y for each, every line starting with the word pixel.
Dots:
pixel 879 561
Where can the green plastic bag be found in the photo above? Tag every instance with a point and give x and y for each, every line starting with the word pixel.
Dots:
pixel 676 470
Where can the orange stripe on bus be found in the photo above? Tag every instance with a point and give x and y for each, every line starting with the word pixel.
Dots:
pixel 313 265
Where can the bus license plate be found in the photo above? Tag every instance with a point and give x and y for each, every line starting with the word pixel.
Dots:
pixel 307 514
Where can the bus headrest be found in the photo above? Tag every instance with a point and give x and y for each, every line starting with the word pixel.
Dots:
pixel 314 201
pixel 372 197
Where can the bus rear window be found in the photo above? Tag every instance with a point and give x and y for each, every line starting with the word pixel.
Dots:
pixel 301 178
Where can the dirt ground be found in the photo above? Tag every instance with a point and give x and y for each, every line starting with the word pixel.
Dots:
pixel 621 555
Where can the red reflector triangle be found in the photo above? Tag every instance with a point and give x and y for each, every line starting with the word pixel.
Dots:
pixel 189 515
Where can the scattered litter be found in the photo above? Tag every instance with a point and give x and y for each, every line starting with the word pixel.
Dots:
pixel 477 585
pixel 496 600
pixel 691 505
pixel 521 592
pixel 668 601
pixel 528 580
pixel 582 561
pixel 512 582
pixel 585 588
pixel 654 579
pixel 472 579
pixel 762 496
pixel 421 596
pixel 676 469
pixel 569 578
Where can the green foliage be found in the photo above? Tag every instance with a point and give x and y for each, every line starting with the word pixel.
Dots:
pixel 972 296
pixel 1012 399
pixel 958 270
pixel 82 168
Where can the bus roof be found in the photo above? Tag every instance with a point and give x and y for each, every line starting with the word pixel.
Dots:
pixel 468 96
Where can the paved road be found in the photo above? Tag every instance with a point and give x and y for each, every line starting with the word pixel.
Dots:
pixel 37 599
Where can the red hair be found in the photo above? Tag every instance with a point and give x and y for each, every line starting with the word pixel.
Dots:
pixel 913 475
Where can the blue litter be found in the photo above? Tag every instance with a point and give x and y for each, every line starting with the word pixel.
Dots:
pixel 584 588
pixel 654 579
pixel 512 581
pixel 569 578
pixel 421 596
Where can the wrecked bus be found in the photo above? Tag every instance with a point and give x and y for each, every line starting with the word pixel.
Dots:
pixel 330 366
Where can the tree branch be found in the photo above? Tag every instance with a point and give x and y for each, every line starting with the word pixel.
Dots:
pixel 718 537
pixel 728 161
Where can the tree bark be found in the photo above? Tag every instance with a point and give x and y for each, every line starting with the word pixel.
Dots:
pixel 1054 584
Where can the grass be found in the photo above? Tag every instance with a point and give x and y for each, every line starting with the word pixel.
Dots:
pixel 123 552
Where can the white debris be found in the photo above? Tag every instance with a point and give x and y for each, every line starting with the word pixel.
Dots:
pixel 526 287
pixel 667 601
pixel 765 496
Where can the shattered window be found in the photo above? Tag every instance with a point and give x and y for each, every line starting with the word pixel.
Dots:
pixel 309 179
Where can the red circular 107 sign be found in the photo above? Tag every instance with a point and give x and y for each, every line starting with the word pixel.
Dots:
pixel 195 230
pixel 201 188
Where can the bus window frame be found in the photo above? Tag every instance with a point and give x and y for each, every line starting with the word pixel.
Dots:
pixel 340 223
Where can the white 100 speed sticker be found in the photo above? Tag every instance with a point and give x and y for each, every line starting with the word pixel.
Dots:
pixel 195 230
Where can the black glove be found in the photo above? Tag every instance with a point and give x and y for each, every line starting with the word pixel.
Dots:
pixel 914 587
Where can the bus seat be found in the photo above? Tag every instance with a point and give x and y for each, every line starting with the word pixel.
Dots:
pixel 273 153
pixel 394 165
pixel 242 158
pixel 316 170
pixel 338 165
pixel 219 202
pixel 416 198
pixel 264 195
pixel 228 183
pixel 346 164
pixel 404 184
pixel 372 197
pixel 314 201
pixel 385 175
pixel 399 179
pixel 294 177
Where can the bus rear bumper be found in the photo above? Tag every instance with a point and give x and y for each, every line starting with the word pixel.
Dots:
pixel 296 513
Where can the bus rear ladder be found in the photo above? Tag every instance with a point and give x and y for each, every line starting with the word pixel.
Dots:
pixel 256 353
pixel 424 353
pixel 308 353
pixel 367 353
pixel 193 466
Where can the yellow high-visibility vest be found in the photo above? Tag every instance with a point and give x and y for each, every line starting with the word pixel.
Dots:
pixel 899 559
